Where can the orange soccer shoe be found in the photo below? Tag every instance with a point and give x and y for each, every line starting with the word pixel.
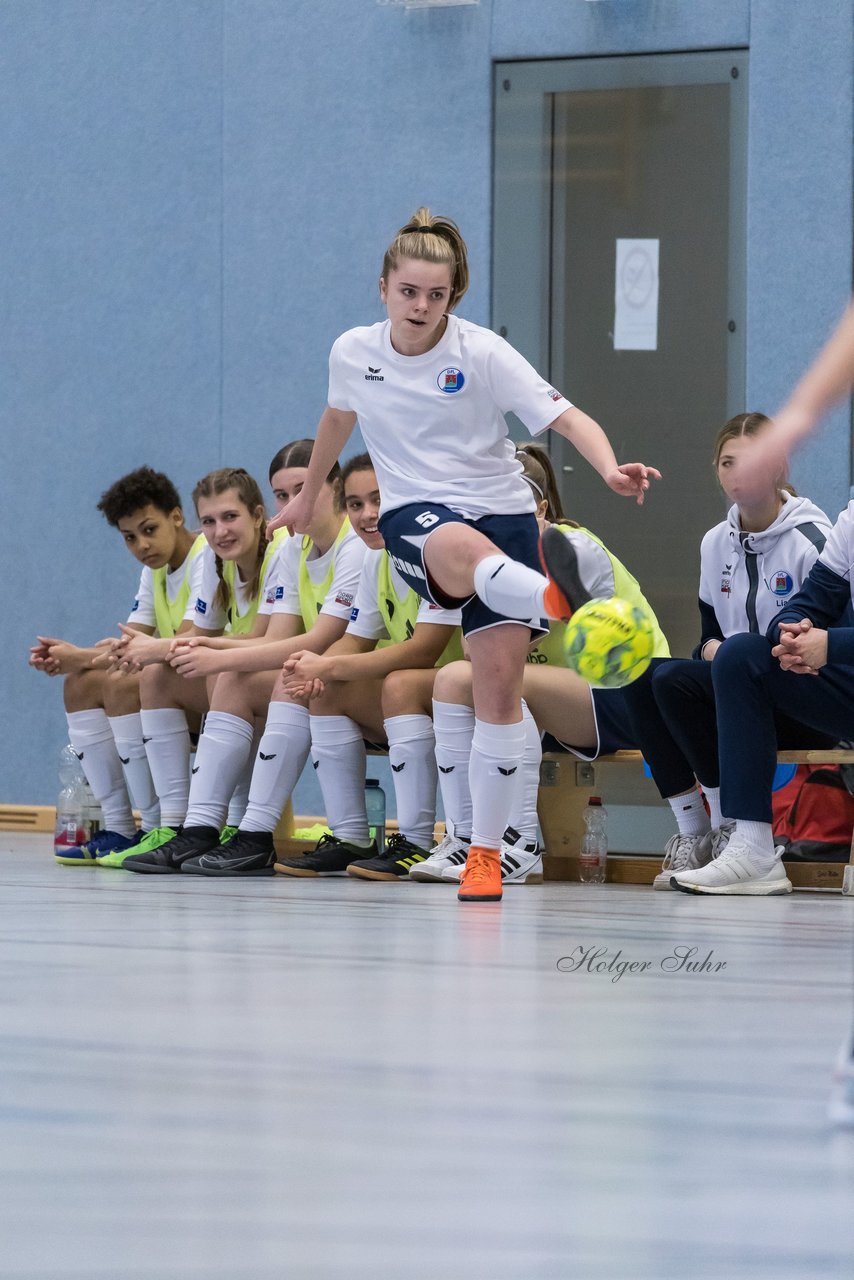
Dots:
pixel 481 878
pixel 565 592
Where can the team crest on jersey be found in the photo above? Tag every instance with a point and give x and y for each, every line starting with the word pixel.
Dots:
pixel 450 380
pixel 781 582
pixel 726 580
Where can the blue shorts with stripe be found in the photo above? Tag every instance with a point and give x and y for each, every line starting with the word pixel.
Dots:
pixel 406 530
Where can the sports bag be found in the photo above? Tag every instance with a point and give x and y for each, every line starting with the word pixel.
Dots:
pixel 814 813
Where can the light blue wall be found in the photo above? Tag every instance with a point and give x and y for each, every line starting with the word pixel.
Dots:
pixel 196 196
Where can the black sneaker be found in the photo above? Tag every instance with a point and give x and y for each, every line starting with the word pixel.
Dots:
pixel 329 857
pixel 393 863
pixel 167 859
pixel 247 853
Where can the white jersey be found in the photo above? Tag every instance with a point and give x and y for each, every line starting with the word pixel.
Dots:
pixel 143 613
pixel 366 619
pixel 434 424
pixel 746 578
pixel 209 615
pixel 341 564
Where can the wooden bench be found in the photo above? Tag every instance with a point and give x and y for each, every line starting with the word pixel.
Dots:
pixel 566 784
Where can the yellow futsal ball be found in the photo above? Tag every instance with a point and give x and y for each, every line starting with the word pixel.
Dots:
pixel 609 643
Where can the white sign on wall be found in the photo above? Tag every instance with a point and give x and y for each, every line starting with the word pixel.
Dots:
pixel 636 296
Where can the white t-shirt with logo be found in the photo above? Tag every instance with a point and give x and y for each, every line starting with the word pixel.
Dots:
pixel 434 424
pixel 143 606
pixel 366 619
pixel 346 556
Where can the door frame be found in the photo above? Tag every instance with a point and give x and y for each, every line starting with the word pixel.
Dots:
pixel 522 268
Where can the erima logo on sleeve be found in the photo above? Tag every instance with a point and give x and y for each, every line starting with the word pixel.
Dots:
pixel 135 606
pixel 201 605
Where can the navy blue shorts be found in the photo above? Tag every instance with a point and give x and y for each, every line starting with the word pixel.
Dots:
pixel 406 530
pixel 613 728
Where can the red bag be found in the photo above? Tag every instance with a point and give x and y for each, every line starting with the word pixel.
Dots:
pixel 814 813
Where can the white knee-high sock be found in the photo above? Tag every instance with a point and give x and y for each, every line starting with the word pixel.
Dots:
pixel 510 588
pixel 127 732
pixel 338 755
pixel 240 795
pixel 523 817
pixel 453 725
pixel 92 738
pixel 224 750
pixel 282 753
pixel 495 778
pixel 167 746
pixel 412 756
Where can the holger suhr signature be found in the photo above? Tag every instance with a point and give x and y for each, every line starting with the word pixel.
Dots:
pixel 599 960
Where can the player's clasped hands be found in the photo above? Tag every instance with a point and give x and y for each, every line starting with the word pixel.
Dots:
pixel 301 675
pixel 802 648
pixel 191 657
pixel 631 480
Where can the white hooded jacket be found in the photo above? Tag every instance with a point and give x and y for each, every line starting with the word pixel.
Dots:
pixel 746 578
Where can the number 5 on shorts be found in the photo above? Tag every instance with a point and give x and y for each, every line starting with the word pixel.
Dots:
pixel 426 519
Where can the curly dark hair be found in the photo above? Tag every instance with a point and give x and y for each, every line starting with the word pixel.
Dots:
pixel 136 490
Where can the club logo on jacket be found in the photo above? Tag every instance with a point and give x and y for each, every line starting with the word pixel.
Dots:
pixel 450 380
pixel 780 583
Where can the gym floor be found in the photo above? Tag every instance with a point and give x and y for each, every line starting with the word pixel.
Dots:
pixel 257 1079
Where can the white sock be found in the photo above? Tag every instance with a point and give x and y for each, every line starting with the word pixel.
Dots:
pixel 282 753
pixel 690 813
pixel 713 797
pixel 453 725
pixel 524 816
pixel 240 795
pixel 92 738
pixel 412 756
pixel 510 588
pixel 224 750
pixel 338 755
pixel 167 746
pixel 495 778
pixel 759 836
pixel 127 732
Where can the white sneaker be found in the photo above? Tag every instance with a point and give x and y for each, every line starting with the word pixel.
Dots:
pixel 450 853
pixel 683 853
pixel 720 838
pixel 840 1108
pixel 521 861
pixel 740 869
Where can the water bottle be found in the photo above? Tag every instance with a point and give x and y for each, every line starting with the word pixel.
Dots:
pixel 594 845
pixel 375 806
pixel 70 803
